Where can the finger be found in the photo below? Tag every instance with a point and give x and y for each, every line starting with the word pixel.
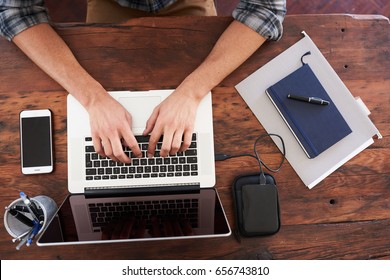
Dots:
pixel 97 144
pixel 127 228
pixel 132 143
pixel 117 230
pixel 167 143
pixel 186 141
pixel 186 227
pixel 176 142
pixel 155 230
pixel 106 233
pixel 117 151
pixel 108 149
pixel 168 227
pixel 176 227
pixel 153 140
pixel 151 121
pixel 140 230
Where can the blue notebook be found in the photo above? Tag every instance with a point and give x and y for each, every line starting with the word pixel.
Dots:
pixel 316 127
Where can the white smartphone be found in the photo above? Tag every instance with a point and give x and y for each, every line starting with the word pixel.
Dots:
pixel 36 141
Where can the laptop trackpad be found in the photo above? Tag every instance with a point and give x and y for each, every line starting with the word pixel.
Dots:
pixel 140 109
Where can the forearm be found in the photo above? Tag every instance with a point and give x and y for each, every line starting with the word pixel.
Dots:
pixel 46 49
pixel 235 45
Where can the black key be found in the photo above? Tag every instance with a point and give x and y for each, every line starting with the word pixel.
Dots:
pixel 192 160
pixel 163 168
pixel 144 161
pixel 90 171
pixel 111 163
pixel 104 163
pixel 94 156
pixel 117 170
pixel 190 152
pixel 193 145
pixel 140 169
pixel 193 136
pixel 155 169
pixel 182 160
pixel 159 161
pixel 174 160
pixel 186 167
pixel 88 139
pixel 89 178
pixel 148 169
pixel 89 149
pixel 151 161
pixel 194 167
pixel 96 164
pixel 131 169
pixel 178 168
pixel 142 139
pixel 113 177
pixel 101 171
pixel 171 168
pixel 87 157
pixel 97 177
pixel 106 177
pixel 122 176
pixel 167 161
pixel 136 161
pixel 124 170
pixel 108 170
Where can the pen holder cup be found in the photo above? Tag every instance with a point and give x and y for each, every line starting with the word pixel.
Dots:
pixel 16 228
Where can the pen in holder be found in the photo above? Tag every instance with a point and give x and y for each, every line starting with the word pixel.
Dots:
pixel 26 217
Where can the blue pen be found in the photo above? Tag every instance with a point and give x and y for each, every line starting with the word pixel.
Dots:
pixel 34 232
pixel 30 206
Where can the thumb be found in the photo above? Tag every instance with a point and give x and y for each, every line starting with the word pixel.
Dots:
pixel 151 121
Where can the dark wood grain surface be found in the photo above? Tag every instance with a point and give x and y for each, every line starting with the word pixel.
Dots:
pixel 346 216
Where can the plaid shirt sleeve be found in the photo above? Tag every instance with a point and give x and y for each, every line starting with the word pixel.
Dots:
pixel 263 16
pixel 18 15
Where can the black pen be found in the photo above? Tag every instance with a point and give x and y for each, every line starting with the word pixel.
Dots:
pixel 313 100
pixel 21 218
pixel 21 208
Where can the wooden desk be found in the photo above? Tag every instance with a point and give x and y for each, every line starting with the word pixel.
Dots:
pixel 345 217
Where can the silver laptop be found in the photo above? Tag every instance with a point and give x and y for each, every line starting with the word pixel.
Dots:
pixel 143 200
pixel 197 163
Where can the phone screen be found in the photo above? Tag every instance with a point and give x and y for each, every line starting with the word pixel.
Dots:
pixel 36 141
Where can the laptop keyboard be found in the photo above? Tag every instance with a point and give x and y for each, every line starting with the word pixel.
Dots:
pixel 181 209
pixel 103 168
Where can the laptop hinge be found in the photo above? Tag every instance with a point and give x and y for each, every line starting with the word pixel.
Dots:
pixel 90 192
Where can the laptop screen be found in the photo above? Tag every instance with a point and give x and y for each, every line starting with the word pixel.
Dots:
pixel 82 220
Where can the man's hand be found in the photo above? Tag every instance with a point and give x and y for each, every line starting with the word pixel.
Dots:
pixel 111 129
pixel 174 118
